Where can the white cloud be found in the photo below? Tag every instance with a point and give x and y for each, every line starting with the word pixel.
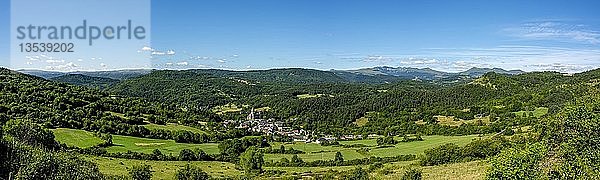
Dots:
pixel 221 61
pixel 561 67
pixel 555 30
pixel 55 61
pixel 63 67
pixel 183 63
pixel 161 53
pixel 419 61
pixel 102 65
pixel 521 57
pixel 146 48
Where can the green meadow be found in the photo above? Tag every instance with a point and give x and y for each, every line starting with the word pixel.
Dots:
pixel 83 139
pixel 173 127
pixel 163 169
pixel 73 137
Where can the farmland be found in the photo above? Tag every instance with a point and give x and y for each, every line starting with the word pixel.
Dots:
pixel 127 143
pixel 163 169
pixel 173 127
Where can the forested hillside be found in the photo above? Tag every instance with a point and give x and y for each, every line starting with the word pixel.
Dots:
pixel 83 80
pixel 546 119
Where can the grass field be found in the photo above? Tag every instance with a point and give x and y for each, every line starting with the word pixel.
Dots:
pixel 173 127
pixel 163 169
pixel 453 121
pixel 145 145
pixel 290 170
pixel 83 139
pixel 538 112
pixel 348 154
pixel 418 147
pixel 79 138
pixel 228 108
pixel 303 96
pixel 455 171
pixel 361 121
pixel 317 152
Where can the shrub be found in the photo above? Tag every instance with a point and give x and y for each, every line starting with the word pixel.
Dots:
pixel 443 154
pixel 191 173
pixel 412 174
pixel 141 172
pixel 518 164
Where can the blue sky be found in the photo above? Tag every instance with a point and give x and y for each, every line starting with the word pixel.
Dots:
pixel 341 34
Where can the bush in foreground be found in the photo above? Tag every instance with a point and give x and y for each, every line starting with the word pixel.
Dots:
pixel 191 173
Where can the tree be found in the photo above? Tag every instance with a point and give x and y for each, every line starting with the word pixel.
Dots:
pixel 29 132
pixel 296 160
pixel 251 160
pixel 443 154
pixel 412 174
pixel 141 172
pixel 107 139
pixel 339 158
pixel 357 174
pixel 518 164
pixel 157 154
pixel 186 155
pixel 191 173
pixel 282 149
pixel 42 164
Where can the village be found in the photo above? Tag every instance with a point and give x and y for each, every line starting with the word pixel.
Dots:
pixel 272 127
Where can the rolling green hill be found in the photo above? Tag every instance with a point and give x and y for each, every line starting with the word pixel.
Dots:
pixel 83 80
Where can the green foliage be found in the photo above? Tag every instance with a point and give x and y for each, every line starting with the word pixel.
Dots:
pixel 44 165
pixel 339 158
pixel 29 133
pixel 251 161
pixel 83 80
pixel 296 160
pixel 450 153
pixel 232 148
pixel 141 172
pixel 412 174
pixel 186 155
pixel 24 161
pixel 577 139
pixel 441 155
pixel 388 140
pixel 375 166
pixel 519 164
pixel 191 173
pixel 356 174
pixel 483 148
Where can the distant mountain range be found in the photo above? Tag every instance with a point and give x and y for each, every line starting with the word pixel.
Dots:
pixel 430 74
pixel 382 74
pixel 84 80
pixel 116 74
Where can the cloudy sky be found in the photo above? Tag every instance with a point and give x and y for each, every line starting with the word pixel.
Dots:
pixel 343 34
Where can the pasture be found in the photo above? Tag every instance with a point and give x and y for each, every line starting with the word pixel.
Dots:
pixel 145 145
pixel 317 152
pixel 538 112
pixel 163 169
pixel 78 138
pixel 174 127
pixel 83 139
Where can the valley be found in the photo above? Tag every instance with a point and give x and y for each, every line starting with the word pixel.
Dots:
pixel 296 123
